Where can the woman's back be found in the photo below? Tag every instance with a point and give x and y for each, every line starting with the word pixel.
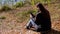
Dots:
pixel 43 19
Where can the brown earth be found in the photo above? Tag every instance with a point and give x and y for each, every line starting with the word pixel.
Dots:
pixel 11 26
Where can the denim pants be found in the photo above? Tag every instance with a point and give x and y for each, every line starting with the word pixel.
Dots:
pixel 31 22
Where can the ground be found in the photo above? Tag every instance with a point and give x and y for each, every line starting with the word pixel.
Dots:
pixel 10 25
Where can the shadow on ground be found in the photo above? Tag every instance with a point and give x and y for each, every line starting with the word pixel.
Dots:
pixel 53 32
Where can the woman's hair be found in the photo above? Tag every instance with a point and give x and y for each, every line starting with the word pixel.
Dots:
pixel 41 7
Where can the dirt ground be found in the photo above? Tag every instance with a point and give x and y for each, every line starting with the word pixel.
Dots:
pixel 11 26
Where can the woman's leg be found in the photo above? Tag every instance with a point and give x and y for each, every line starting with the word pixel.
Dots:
pixel 31 23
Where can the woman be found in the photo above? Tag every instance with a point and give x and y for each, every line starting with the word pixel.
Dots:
pixel 43 20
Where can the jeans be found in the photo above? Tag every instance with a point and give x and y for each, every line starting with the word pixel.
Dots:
pixel 31 22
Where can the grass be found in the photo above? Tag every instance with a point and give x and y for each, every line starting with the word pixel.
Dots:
pixel 19 4
pixel 22 16
pixel 2 17
pixel 5 8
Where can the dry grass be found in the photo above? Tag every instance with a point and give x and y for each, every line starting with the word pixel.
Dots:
pixel 12 24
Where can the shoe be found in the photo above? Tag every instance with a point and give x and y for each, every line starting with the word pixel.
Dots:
pixel 27 27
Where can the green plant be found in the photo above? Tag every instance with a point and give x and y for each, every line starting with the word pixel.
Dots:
pixel 5 8
pixel 19 4
pixel 2 17
pixel 34 11
pixel 32 2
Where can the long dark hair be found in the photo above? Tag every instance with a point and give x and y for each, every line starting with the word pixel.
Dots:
pixel 41 7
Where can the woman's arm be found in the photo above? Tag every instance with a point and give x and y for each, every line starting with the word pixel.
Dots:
pixel 32 15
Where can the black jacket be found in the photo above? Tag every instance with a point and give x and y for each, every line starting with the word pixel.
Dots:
pixel 43 19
